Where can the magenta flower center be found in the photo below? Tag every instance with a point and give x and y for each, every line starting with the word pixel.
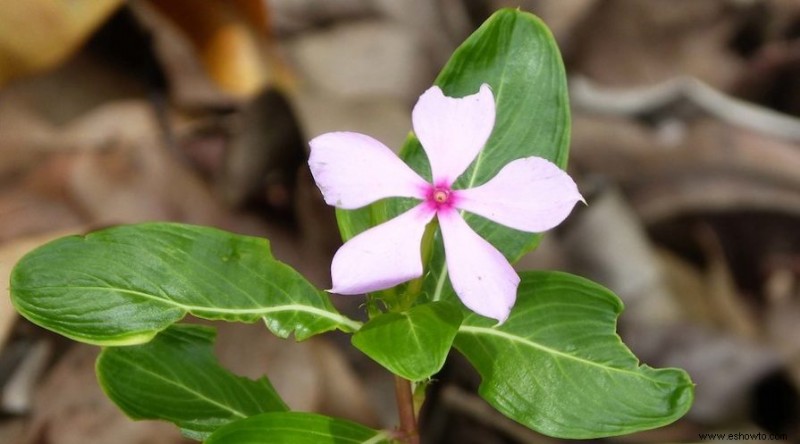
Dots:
pixel 440 197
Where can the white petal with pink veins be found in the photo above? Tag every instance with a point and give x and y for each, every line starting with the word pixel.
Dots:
pixel 481 276
pixel 383 256
pixel 353 170
pixel 453 130
pixel 530 194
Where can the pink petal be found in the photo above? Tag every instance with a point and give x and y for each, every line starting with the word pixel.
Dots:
pixel 530 194
pixel 453 130
pixel 383 256
pixel 353 170
pixel 482 278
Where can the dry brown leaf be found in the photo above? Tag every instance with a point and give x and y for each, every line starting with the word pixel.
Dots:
pixel 12 430
pixel 255 12
pixel 264 154
pixel 712 166
pixel 312 375
pixel 18 390
pixel 635 43
pixel 689 286
pixel 363 60
pixel 343 393
pixel 231 39
pixel 38 34
pixel 126 174
pixel 561 17
pixel 297 16
pixel 607 242
pixel 70 408
pixel 726 302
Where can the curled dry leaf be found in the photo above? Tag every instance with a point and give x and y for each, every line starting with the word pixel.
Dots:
pixel 264 155
pixel 712 166
pixel 607 242
pixel 70 408
pixel 28 30
pixel 312 375
pixel 361 61
pixel 636 43
pixel 295 16
pixel 682 91
pixel 231 39
pixel 126 174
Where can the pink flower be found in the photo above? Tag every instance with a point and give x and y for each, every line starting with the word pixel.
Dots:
pixel 353 170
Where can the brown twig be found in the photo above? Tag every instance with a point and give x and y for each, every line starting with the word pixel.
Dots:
pixel 405 410
pixel 588 96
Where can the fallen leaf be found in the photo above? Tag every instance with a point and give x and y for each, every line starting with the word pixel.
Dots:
pixel 231 39
pixel 70 408
pixel 29 29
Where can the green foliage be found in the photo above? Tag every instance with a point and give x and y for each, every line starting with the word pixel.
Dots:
pixel 176 377
pixel 413 344
pixel 295 428
pixel 123 285
pixel 557 366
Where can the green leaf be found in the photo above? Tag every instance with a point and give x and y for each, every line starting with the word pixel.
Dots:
pixel 515 53
pixel 557 366
pixel 413 344
pixel 176 377
pixel 123 285
pixel 296 428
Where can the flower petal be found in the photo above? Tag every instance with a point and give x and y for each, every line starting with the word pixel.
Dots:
pixel 453 130
pixel 353 170
pixel 530 194
pixel 481 276
pixel 383 256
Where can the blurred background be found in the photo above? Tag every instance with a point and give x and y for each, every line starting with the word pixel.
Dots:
pixel 686 143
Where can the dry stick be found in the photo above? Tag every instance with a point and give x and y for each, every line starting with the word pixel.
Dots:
pixel 588 96
pixel 405 409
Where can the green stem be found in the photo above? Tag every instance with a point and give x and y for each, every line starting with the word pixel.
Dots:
pixel 414 287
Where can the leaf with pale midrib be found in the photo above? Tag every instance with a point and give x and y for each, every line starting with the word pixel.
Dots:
pixel 413 344
pixel 176 377
pixel 557 365
pixel 296 428
pixel 123 285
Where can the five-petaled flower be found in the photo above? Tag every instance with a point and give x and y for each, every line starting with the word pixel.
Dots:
pixel 353 170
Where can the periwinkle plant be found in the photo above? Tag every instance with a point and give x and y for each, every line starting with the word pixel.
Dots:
pixel 430 237
pixel 353 170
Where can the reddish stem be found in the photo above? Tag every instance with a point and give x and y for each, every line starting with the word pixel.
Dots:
pixel 405 409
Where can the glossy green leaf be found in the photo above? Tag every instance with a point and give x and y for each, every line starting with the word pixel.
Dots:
pixel 296 428
pixel 516 54
pixel 413 344
pixel 557 366
pixel 176 377
pixel 123 285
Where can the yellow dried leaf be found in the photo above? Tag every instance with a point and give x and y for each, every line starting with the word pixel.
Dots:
pixel 38 34
pixel 230 38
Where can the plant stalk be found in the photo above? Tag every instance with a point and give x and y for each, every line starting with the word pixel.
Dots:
pixel 405 410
